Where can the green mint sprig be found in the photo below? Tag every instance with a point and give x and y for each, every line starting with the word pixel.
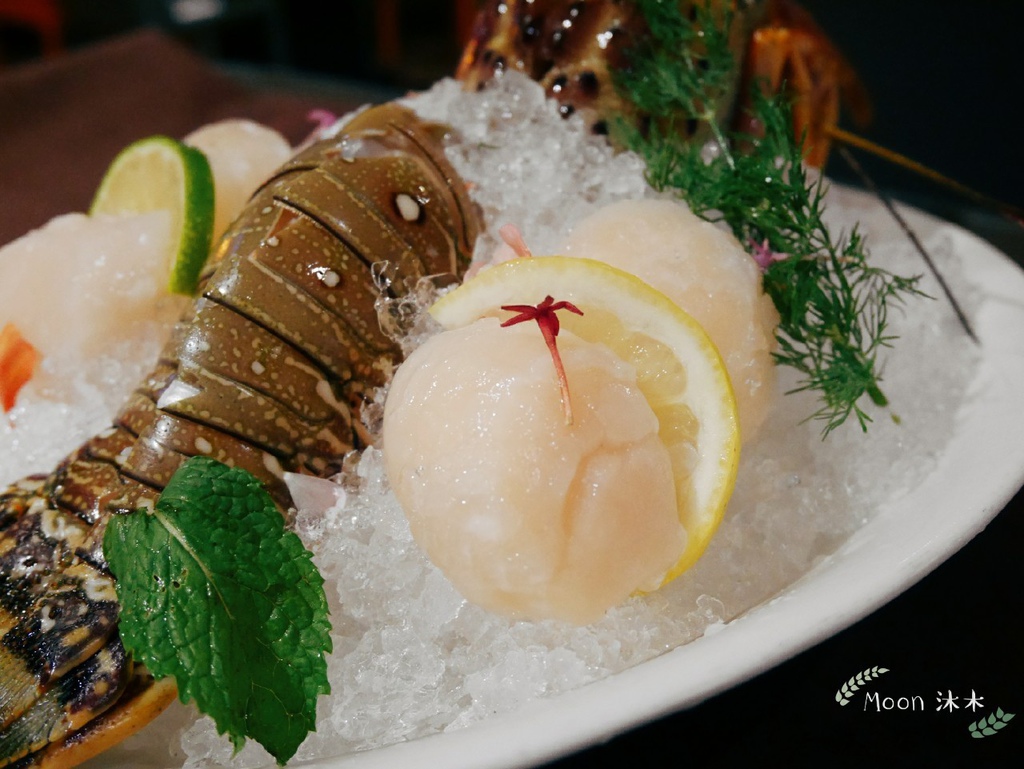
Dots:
pixel 834 305
pixel 217 593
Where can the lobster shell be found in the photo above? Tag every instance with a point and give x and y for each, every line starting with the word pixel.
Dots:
pixel 574 47
pixel 268 371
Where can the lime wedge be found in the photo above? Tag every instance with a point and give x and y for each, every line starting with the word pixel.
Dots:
pixel 160 173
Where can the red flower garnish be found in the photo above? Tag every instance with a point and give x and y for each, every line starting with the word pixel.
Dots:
pixel 763 254
pixel 544 314
pixel 514 239
pixel 323 119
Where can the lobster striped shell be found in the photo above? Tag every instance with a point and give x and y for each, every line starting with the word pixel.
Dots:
pixel 268 371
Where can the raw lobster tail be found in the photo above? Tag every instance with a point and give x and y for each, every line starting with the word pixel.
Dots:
pixel 268 372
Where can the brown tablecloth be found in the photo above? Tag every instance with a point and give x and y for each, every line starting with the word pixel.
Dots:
pixel 63 120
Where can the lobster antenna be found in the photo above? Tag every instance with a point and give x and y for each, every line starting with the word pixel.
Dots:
pixel 1011 212
pixel 891 208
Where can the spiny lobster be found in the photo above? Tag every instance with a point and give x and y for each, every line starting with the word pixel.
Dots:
pixel 573 47
pixel 268 371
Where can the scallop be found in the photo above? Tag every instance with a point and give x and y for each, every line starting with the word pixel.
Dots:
pixel 242 155
pixel 526 515
pixel 705 271
pixel 79 285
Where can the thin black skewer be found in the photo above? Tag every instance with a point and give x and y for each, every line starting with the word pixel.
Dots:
pixel 891 208
pixel 1009 211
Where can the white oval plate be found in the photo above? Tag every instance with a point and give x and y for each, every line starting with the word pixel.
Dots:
pixel 899 545
pixel 895 549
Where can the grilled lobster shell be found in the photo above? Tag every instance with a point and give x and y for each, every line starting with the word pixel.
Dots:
pixel 268 371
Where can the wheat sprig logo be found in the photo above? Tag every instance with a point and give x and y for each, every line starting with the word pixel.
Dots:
pixel 986 727
pixel 846 690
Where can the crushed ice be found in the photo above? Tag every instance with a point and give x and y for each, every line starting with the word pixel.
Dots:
pixel 411 657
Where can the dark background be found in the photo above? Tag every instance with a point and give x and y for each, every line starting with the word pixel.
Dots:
pixel 944 75
pixel 945 78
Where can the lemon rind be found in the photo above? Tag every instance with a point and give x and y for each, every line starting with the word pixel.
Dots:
pixel 562 277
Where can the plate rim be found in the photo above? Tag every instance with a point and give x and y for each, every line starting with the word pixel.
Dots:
pixel 549 728
pixel 577 719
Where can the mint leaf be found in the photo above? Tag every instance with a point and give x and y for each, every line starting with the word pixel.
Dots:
pixel 217 593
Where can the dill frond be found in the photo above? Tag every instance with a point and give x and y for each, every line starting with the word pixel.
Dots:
pixel 833 304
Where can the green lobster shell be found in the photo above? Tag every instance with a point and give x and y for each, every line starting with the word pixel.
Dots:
pixel 268 371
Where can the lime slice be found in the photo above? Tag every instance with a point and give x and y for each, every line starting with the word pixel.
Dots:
pixel 243 154
pixel 160 173
pixel 679 370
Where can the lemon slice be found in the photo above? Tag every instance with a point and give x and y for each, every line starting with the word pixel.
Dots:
pixel 160 173
pixel 678 368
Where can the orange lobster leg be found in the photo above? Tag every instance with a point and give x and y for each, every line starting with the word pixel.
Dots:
pixel 791 52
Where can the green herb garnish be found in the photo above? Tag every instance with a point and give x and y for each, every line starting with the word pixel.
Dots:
pixel 217 593
pixel 833 305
